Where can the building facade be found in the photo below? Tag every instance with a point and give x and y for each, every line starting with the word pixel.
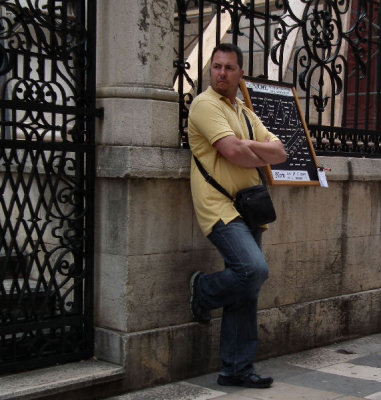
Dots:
pixel 323 251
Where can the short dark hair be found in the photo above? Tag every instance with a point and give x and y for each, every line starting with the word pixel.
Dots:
pixel 229 48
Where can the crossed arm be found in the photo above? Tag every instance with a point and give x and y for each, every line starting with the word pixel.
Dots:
pixel 250 153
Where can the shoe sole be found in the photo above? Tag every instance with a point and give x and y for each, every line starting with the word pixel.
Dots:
pixel 242 384
pixel 191 288
pixel 259 386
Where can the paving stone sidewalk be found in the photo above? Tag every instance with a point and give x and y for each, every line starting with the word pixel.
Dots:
pixel 344 371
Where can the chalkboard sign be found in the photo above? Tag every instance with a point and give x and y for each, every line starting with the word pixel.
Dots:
pixel 277 105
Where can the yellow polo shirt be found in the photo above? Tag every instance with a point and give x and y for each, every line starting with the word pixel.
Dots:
pixel 212 117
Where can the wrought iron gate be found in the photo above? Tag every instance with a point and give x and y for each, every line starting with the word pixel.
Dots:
pixel 329 50
pixel 47 105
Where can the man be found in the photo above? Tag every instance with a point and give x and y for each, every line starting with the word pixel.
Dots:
pixel 219 138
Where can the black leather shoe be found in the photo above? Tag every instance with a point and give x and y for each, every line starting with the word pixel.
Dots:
pixel 200 314
pixel 250 381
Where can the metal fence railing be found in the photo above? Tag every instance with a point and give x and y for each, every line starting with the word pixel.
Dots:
pixel 330 51
pixel 47 169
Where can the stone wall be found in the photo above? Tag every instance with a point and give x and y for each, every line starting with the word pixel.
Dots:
pixel 323 252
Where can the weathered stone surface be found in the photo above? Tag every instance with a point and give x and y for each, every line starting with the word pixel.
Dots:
pixel 135 73
pixel 297 210
pixel 110 300
pixel 59 381
pixel 110 345
pixel 135 43
pixel 347 168
pixel 300 326
pixel 158 287
pixel 111 209
pixel 138 122
pixel 142 162
pixel 160 216
pixel 159 356
pixel 172 353
pixel 323 255
pixel 362 267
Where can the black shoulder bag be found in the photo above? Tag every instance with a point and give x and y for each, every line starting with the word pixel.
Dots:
pixel 254 203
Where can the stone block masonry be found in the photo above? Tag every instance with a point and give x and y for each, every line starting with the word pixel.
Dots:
pixel 323 252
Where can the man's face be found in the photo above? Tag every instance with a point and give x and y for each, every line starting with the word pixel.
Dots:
pixel 225 74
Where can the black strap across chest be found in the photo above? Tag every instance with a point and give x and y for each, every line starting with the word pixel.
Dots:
pixel 212 181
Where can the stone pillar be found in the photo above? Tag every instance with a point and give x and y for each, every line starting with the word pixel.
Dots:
pixel 135 73
pixel 134 86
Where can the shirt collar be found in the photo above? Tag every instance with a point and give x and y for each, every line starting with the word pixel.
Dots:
pixel 225 99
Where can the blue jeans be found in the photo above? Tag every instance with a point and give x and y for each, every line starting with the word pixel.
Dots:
pixel 236 289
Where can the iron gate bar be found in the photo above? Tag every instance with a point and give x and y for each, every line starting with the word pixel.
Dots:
pixel 75 320
pixel 321 70
pixel 40 145
pixel 90 180
pixel 23 105
pixel 47 318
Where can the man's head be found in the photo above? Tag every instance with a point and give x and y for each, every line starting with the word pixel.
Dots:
pixel 226 70
pixel 229 48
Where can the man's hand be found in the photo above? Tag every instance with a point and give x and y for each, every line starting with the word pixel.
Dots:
pixel 250 153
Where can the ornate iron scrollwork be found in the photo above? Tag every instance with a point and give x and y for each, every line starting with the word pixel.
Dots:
pixel 47 135
pixel 330 47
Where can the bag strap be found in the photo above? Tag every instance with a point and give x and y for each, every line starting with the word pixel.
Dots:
pixel 248 126
pixel 213 182
pixel 261 174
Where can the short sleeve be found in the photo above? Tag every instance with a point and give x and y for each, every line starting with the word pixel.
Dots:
pixel 209 119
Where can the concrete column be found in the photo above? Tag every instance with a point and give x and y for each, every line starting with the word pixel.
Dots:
pixel 135 73
pixel 139 131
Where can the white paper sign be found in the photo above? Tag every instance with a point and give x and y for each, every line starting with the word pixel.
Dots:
pixel 266 88
pixel 322 178
pixel 286 175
